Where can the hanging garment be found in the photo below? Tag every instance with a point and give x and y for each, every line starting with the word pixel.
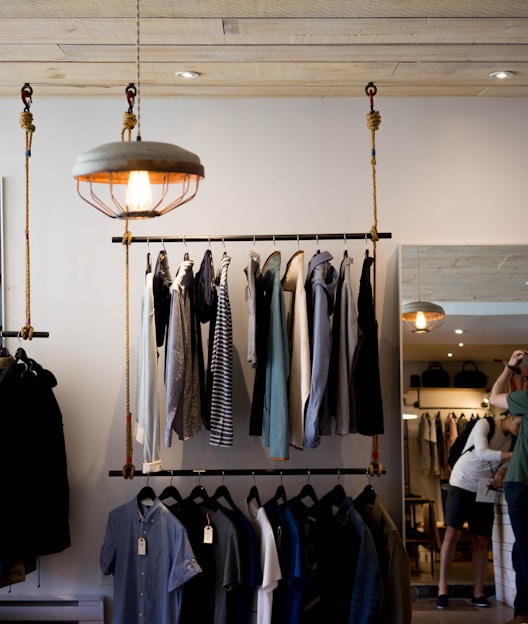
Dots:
pixel 269 560
pixel 222 366
pixel 288 594
pixel 427 444
pixel 275 434
pixel 392 557
pixel 344 342
pixel 210 598
pixel 148 575
pixel 206 305
pixel 365 371
pixel 34 483
pixel 343 541
pixel 299 341
pixel 251 571
pixel 147 423
pixel 252 272
pixel 182 383
pixel 442 459
pixel 263 294
pixel 320 287
pixel 161 284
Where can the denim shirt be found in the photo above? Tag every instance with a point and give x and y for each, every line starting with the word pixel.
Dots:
pixel 147 588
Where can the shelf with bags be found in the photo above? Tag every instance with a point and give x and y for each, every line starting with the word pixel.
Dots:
pixel 447 398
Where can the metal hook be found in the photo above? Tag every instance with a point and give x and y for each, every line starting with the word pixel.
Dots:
pixel 163 245
pixel 298 242
pixel 338 476
pixel 131 93
pixel 26 92
pixel 309 475
pixel 223 477
pixel 281 477
pixel 253 474
pixel 172 476
pixel 274 241
pixel 317 240
pixel 253 242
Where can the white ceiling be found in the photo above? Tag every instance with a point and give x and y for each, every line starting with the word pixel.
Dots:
pixel 484 291
pixel 264 48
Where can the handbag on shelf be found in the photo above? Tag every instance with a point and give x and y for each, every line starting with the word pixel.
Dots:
pixel 470 377
pixel 435 376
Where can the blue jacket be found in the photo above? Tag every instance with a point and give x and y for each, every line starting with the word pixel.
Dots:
pixel 320 289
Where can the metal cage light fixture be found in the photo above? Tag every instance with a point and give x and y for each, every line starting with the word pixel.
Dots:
pixel 137 179
pixel 422 317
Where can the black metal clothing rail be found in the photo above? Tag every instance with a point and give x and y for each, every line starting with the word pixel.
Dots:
pixel 16 334
pixel 215 472
pixel 344 236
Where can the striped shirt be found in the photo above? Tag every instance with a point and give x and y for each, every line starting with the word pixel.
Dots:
pixel 221 433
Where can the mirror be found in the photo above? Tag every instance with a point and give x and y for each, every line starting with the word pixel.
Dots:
pixel 484 292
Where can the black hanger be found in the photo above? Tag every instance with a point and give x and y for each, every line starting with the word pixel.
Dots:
pixel 146 495
pixel 170 495
pixel 337 494
pixel 223 492
pixel 368 494
pixel 307 491
pixel 280 495
pixel 254 495
pixel 21 356
pixel 199 493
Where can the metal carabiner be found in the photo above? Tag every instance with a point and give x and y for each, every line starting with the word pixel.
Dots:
pixel 26 92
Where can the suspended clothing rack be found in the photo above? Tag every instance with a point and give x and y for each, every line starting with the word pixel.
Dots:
pixel 252 237
pixel 244 472
pixel 16 334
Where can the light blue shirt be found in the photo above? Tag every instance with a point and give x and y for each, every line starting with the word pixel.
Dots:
pixel 147 587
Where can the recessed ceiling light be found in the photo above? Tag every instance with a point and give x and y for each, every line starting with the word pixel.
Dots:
pixel 187 74
pixel 459 331
pixel 501 75
pixel 449 355
pixel 460 344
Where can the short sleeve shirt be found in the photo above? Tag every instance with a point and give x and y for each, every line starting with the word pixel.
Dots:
pixel 147 588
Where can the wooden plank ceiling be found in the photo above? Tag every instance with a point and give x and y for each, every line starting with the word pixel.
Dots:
pixel 264 48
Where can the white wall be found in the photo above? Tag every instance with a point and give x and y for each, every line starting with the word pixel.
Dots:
pixel 449 171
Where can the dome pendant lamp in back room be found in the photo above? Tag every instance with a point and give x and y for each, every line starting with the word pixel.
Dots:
pixel 137 179
pixel 422 317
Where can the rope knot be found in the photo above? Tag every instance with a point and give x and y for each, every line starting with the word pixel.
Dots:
pixel 26 333
pixel 373 120
pixel 374 234
pixel 128 471
pixel 26 121
pixel 129 123
pixel 127 238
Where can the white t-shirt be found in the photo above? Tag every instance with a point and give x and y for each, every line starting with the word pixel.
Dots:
pixel 484 460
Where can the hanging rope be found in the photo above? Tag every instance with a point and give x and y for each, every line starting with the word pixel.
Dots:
pixel 26 123
pixel 373 123
pixel 129 122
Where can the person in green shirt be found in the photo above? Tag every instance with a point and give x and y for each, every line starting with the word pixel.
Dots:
pixel 516 480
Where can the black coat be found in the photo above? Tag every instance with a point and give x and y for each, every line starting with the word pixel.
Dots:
pixel 34 491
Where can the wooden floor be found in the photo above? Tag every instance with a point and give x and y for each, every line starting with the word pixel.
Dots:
pixel 460 610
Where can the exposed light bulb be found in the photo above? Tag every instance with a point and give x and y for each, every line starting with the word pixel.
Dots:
pixel 139 192
pixel 421 321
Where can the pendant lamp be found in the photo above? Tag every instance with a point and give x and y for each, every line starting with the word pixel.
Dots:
pixel 137 179
pixel 422 317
